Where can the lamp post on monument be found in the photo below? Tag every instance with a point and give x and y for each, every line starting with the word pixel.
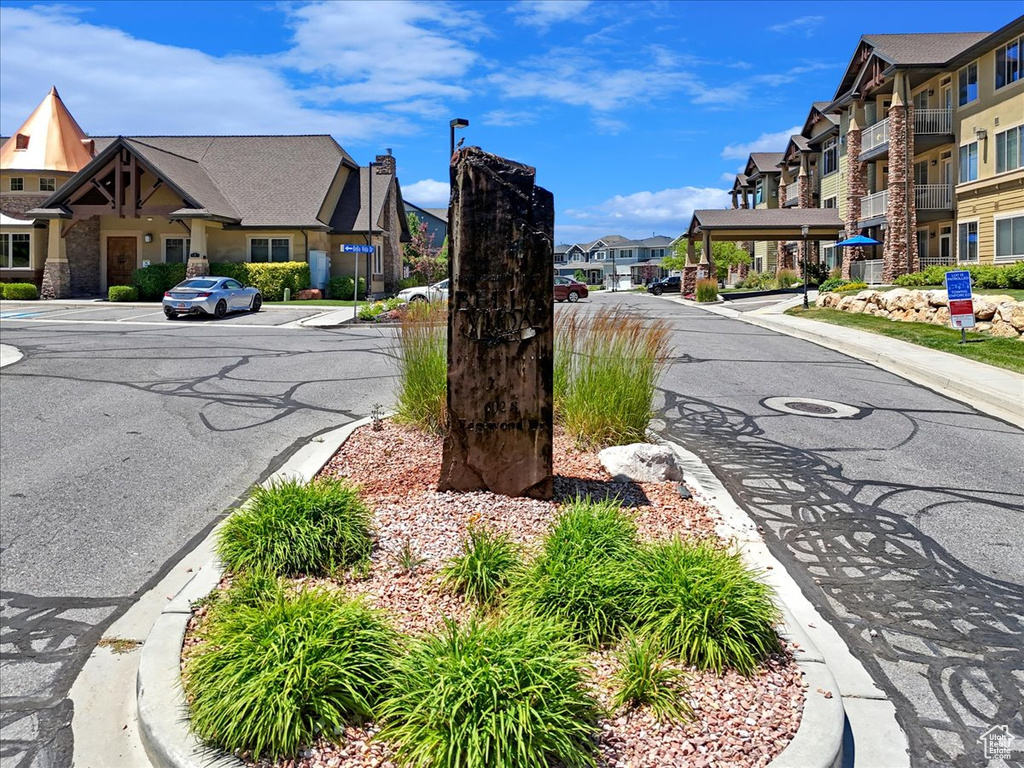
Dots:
pixel 804 230
pixel 458 122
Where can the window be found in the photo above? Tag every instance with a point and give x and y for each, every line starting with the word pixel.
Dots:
pixel 176 249
pixel 1008 62
pixel 1010 238
pixel 921 99
pixel 759 193
pixel 21 142
pixel 15 250
pixel 378 260
pixel 967 241
pixel 626 253
pixel 830 202
pixel 969 162
pixel 922 243
pixel 921 173
pixel 47 184
pixel 599 256
pixel 968 81
pixel 1010 149
pixel 17 184
pixel 264 249
pixel 830 158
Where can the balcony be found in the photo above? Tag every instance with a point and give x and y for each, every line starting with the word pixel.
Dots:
pixel 792 194
pixel 933 126
pixel 874 206
pixel 933 197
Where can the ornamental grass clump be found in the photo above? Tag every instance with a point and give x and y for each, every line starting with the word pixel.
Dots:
pixel 491 694
pixel 606 368
pixel 702 606
pixel 293 528
pixel 483 569
pixel 644 680
pixel 423 366
pixel 582 577
pixel 707 290
pixel 270 677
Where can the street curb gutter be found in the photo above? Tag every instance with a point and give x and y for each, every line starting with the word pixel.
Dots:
pixel 163 713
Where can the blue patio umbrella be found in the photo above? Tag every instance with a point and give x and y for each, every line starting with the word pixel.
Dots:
pixel 858 240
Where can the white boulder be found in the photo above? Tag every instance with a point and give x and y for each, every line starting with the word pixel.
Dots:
pixel 641 463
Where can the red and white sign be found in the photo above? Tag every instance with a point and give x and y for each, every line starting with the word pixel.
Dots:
pixel 961 313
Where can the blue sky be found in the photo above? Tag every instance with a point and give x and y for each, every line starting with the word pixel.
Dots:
pixel 633 113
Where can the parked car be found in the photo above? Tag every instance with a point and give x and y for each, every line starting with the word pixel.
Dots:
pixel 665 285
pixel 211 296
pixel 435 292
pixel 567 289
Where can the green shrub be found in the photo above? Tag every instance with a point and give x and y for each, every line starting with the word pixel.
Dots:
pixel 758 281
pixel 20 291
pixel 423 366
pixel 484 568
pixel 500 694
pixel 643 679
pixel 153 281
pixel 707 290
pixel 371 311
pixel 582 577
pixel 833 284
pixel 982 275
pixel 606 368
pixel 786 278
pixel 850 287
pixel 408 282
pixel 122 293
pixel 270 278
pixel 275 674
pixel 295 528
pixel 703 607
pixel 340 288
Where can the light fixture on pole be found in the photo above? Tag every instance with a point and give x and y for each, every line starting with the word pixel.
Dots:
pixel 804 230
pixel 458 122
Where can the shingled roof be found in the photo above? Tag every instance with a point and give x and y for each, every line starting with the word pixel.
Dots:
pixel 763 162
pixel 922 49
pixel 824 223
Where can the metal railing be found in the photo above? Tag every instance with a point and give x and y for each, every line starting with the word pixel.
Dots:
pixel 933 121
pixel 793 193
pixel 866 271
pixel 875 135
pixel 873 206
pixel 936 261
pixel 933 197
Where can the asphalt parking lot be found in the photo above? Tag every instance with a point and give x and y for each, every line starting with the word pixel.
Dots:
pixel 101 311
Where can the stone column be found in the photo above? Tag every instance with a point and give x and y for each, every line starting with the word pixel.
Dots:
pixel 900 248
pixel 500 329
pixel 56 270
pixel 688 283
pixel 784 260
pixel 856 187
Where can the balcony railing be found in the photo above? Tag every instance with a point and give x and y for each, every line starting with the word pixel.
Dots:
pixel 873 206
pixel 936 261
pixel 926 121
pixel 875 136
pixel 933 197
pixel 793 193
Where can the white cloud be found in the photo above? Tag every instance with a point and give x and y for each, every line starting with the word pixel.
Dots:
pixel 165 89
pixel 610 125
pixel 507 118
pixel 543 13
pixel 766 142
pixel 729 177
pixel 427 193
pixel 805 24
pixel 636 214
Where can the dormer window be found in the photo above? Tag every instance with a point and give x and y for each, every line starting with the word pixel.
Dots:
pixel 21 142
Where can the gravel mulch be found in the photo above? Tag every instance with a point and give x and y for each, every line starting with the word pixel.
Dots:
pixel 739 721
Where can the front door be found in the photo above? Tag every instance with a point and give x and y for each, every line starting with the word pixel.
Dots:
pixel 946 248
pixel 121 258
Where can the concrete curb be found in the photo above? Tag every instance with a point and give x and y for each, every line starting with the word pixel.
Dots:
pixel 9 355
pixel 104 304
pixel 819 738
pixel 162 712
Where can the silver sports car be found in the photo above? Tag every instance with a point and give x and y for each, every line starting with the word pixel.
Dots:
pixel 211 296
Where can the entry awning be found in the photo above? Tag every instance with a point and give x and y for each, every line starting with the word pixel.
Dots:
pixel 766 224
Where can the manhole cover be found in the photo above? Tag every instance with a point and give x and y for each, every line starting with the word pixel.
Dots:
pixel 808 406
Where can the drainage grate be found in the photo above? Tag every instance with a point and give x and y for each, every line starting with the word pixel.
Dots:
pixel 808 406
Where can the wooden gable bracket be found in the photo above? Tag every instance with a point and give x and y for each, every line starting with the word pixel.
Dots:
pixel 144 198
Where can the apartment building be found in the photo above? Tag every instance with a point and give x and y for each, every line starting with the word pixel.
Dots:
pixel 638 259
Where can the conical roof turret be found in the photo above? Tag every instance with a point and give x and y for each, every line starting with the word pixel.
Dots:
pixel 50 140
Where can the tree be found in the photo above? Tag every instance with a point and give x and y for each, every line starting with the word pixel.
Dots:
pixel 724 253
pixel 580 276
pixel 426 263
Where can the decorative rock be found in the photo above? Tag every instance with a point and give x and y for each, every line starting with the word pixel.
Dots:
pixel 307 294
pixel 1004 331
pixel 984 309
pixel 1016 318
pixel 938 298
pixel 641 463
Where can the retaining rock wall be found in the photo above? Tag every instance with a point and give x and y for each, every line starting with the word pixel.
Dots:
pixel 996 315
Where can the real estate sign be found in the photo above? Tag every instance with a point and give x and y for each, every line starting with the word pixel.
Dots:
pixel 961 300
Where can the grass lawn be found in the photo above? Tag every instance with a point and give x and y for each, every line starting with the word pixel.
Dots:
pixel 1004 353
pixel 1017 293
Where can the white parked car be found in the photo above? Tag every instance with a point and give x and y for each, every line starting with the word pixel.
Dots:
pixel 435 292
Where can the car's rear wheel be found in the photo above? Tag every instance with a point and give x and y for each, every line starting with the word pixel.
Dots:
pixel 257 302
pixel 657 291
pixel 221 310
pixel 573 297
pixel 170 314
pixel 417 297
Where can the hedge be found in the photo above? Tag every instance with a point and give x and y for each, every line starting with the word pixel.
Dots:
pixel 122 293
pixel 151 282
pixel 19 291
pixel 271 279
pixel 982 275
pixel 340 288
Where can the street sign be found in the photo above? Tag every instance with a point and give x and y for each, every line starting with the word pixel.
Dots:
pixel 961 302
pixel 357 249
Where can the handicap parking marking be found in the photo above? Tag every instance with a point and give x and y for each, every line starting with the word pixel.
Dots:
pixel 16 315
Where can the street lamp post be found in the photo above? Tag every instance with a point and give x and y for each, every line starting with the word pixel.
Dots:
pixel 458 122
pixel 804 231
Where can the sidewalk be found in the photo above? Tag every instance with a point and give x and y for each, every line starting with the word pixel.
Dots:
pixel 995 391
